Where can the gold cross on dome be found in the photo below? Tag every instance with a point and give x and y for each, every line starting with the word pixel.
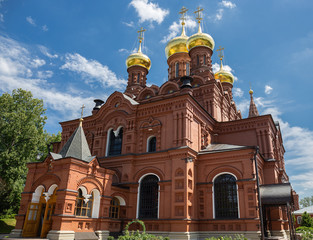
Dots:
pixel 183 14
pixel 82 113
pixel 221 53
pixel 141 31
pixel 199 14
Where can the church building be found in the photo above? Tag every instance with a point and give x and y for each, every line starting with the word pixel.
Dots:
pixel 179 157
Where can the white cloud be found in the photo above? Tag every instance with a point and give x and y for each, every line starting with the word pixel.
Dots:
pixel 219 14
pixel 176 29
pixel 44 28
pixel 237 92
pixel 38 62
pixel 227 4
pixel 16 67
pixel 148 11
pixel 44 74
pixel 122 50
pixel 1 17
pixel 227 68
pixel 129 24
pixel 44 50
pixel 243 106
pixel 31 21
pixel 92 71
pixel 268 89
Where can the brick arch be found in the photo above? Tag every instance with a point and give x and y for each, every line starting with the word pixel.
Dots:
pixel 197 80
pixel 94 181
pixel 225 168
pixel 115 120
pixel 168 86
pixel 146 170
pixel 179 172
pixel 46 180
pixel 144 93
pixel 121 195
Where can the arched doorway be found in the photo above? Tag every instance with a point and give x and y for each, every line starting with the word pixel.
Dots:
pixel 38 221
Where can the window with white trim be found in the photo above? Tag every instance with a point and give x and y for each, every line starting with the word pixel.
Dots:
pixel 225 197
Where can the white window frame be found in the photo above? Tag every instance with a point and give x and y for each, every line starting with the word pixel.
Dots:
pixel 116 132
pixel 148 141
pixel 213 194
pixel 138 194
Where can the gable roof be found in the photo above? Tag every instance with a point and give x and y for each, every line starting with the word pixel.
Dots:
pixel 308 209
pixel 75 147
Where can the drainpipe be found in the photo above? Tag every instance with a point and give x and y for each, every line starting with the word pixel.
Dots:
pixel 258 191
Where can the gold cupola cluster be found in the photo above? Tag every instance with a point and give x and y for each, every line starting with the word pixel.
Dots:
pixel 138 58
pixel 222 75
pixel 184 43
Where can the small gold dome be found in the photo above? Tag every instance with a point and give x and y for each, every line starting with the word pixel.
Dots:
pixel 176 45
pixel 138 59
pixel 224 76
pixel 200 39
pixel 251 91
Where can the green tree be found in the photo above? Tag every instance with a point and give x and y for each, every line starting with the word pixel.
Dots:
pixel 306 202
pixel 22 140
pixel 306 220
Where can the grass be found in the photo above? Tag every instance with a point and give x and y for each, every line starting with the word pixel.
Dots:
pixel 7 225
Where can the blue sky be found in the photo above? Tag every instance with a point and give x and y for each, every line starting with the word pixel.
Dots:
pixel 71 52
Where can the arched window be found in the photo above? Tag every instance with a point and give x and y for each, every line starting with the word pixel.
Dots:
pixel 225 197
pixel 151 146
pixel 114 208
pixel 177 69
pixel 149 197
pixel 115 142
pixel 187 69
pixel 198 61
pixel 204 59
pixel 83 206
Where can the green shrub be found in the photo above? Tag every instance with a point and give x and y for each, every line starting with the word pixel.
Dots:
pixel 306 232
pixel 110 238
pixel 306 220
pixel 137 235
pixel 236 237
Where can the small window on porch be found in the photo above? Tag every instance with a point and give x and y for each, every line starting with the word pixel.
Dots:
pixel 83 206
pixel 114 208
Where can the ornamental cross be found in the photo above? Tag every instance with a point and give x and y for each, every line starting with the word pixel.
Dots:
pixel 82 108
pixel 199 14
pixel 141 31
pixel 183 15
pixel 221 53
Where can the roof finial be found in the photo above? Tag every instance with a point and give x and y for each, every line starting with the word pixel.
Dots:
pixel 183 19
pixel 250 91
pixel 253 111
pixel 221 55
pixel 140 37
pixel 81 116
pixel 199 17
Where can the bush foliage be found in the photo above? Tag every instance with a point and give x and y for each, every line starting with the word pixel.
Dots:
pixel 306 232
pixel 236 237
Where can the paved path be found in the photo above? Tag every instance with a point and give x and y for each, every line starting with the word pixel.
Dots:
pixel 6 236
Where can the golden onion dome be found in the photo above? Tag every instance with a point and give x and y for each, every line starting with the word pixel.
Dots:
pixel 224 76
pixel 200 39
pixel 138 59
pixel 177 45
